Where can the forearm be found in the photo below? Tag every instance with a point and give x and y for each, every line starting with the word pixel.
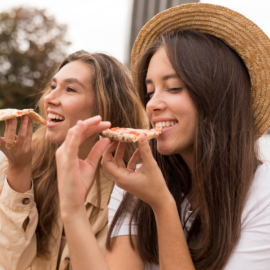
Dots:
pixel 84 250
pixel 173 249
pixel 19 179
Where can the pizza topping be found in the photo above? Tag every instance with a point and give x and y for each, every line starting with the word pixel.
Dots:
pixel 135 133
pixel 158 129
pixel 115 129
pixel 55 117
pixel 23 112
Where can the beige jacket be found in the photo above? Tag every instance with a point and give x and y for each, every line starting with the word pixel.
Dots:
pixel 18 247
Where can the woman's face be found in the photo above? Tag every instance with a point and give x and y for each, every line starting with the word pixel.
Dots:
pixel 170 106
pixel 71 99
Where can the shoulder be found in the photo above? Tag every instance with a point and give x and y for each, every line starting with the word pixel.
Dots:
pixel 117 195
pixel 263 172
pixel 115 200
pixel 258 200
pixel 123 225
pixel 260 188
pixel 253 248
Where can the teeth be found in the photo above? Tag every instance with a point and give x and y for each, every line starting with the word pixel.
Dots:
pixel 165 124
pixel 55 116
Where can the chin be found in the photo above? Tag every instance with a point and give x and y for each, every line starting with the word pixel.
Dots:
pixel 52 139
pixel 165 151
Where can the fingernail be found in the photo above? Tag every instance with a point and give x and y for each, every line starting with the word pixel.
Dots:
pixel 96 117
pixel 79 122
pixel 13 121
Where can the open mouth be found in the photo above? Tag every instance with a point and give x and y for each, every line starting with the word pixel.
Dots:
pixel 165 124
pixel 55 118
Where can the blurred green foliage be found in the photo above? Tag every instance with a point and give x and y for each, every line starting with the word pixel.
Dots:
pixel 31 44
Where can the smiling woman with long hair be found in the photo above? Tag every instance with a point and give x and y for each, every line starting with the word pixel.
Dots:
pixel 84 85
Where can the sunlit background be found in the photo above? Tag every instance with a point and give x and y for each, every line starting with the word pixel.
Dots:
pixel 108 26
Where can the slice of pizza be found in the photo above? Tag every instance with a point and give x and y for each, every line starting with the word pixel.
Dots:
pixel 6 114
pixel 130 134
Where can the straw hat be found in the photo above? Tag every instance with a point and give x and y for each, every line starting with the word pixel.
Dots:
pixel 241 34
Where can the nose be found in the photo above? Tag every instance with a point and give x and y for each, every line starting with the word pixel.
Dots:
pixel 156 103
pixel 52 98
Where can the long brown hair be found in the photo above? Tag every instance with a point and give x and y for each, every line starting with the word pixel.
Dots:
pixel 225 153
pixel 115 100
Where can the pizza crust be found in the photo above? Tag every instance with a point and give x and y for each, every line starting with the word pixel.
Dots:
pixel 129 134
pixel 6 114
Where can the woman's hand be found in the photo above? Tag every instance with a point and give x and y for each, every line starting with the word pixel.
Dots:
pixel 147 183
pixel 76 176
pixel 18 152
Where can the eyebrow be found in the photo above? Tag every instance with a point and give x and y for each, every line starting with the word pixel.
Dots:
pixel 164 78
pixel 70 80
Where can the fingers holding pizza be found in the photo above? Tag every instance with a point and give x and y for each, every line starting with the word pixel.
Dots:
pixel 10 133
pixel 145 180
pixel 10 141
pixel 17 148
pixel 75 175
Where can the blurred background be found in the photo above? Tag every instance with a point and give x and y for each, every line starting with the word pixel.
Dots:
pixel 35 35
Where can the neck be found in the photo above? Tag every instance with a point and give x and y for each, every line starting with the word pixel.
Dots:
pixel 192 197
pixel 189 160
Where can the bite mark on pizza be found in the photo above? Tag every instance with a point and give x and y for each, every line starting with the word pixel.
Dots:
pixel 130 134
pixel 6 114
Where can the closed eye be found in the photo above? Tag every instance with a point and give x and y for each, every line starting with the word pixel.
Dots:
pixel 149 95
pixel 69 89
pixel 176 89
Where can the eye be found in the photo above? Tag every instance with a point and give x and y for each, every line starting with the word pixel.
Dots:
pixel 149 95
pixel 69 89
pixel 52 87
pixel 175 90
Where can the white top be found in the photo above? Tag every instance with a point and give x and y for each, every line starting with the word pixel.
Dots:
pixel 253 249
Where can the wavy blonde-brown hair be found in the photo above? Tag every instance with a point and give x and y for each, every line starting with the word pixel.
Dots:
pixel 115 100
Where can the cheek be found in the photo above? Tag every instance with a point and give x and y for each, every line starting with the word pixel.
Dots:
pixel 45 103
pixel 85 113
pixel 192 126
pixel 79 108
pixel 148 113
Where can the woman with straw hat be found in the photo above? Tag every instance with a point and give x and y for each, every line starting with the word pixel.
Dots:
pixel 200 199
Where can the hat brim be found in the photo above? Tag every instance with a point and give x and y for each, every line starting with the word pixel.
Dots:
pixel 240 33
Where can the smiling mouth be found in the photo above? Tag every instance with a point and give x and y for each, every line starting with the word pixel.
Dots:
pixel 165 124
pixel 55 118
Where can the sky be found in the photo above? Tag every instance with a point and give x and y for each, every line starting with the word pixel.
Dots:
pixel 255 10
pixel 104 25
pixel 93 25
